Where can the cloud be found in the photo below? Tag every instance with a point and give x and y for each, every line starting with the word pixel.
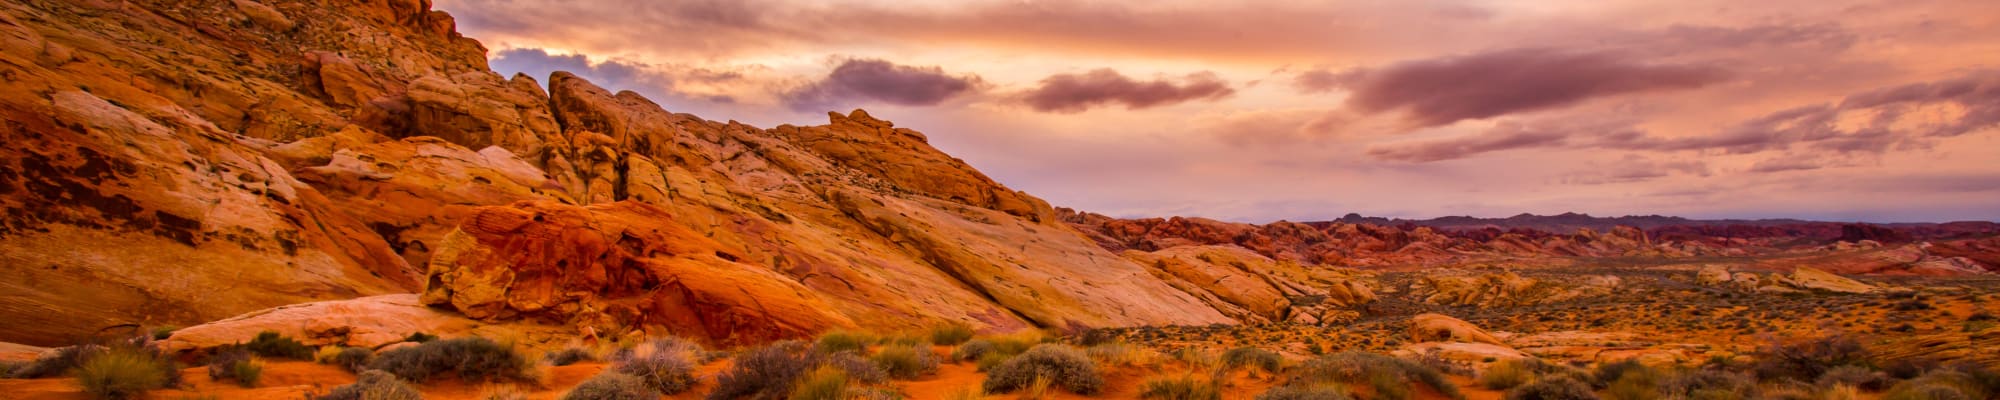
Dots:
pixel 1902 117
pixel 659 82
pixel 1319 80
pixel 1507 136
pixel 1636 168
pixel 1783 164
pixel 1441 91
pixel 1072 93
pixel 869 80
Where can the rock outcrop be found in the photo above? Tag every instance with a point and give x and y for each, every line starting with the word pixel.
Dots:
pixel 1444 328
pixel 230 157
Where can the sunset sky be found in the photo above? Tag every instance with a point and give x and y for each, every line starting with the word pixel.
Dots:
pixel 1825 109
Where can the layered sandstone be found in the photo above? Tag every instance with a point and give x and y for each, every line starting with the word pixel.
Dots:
pixel 221 158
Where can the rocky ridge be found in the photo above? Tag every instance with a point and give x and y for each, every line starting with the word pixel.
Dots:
pixel 228 156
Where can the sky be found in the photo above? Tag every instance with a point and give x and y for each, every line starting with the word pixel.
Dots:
pixel 1848 110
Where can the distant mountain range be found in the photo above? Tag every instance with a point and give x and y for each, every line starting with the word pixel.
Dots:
pixel 1668 226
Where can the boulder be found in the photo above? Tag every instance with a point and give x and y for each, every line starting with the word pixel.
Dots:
pixel 1432 327
pixel 616 268
pixel 1814 279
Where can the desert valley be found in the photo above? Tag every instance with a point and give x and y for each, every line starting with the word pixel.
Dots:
pixel 280 199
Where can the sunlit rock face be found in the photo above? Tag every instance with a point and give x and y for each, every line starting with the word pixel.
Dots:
pixel 174 163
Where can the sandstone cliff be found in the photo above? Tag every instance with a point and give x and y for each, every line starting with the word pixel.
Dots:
pixel 173 162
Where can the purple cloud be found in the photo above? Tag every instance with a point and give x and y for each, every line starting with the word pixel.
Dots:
pixel 1441 91
pixel 866 80
pixel 1071 93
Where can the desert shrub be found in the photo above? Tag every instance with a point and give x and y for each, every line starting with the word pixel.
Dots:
pixel 1606 373
pixel 1938 385
pixel 875 393
pixel 987 362
pixel 972 350
pixel 825 383
pixel 569 356
pixel 420 337
pixel 125 372
pixel 1184 387
pixel 860 369
pixel 1640 383
pixel 951 334
pixel 839 341
pixel 612 385
pixel 1558 388
pixel 1305 392
pixel 325 354
pixel 1808 359
pixel 1018 342
pixel 1113 353
pixel 472 358
pixel 1506 375
pixel 62 361
pixel 7 368
pixel 1841 392
pixel 665 368
pixel 1252 357
pixel 235 364
pixel 1706 384
pixel 1063 365
pixel 374 385
pixel 767 372
pixel 352 359
pixel 502 392
pixel 164 331
pixel 1390 377
pixel 1858 377
pixel 965 393
pixel 906 362
pixel 273 345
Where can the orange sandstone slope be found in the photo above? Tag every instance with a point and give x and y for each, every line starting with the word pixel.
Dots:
pixel 174 162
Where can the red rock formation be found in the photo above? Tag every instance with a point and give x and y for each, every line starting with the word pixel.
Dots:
pixel 615 268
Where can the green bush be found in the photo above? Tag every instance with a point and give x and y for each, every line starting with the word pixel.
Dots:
pixel 767 372
pixel 273 345
pixel 473 359
pixel 951 334
pixel 125 372
pixel 839 341
pixel 822 384
pixel 1066 366
pixel 164 331
pixel 666 368
pixel 612 385
pixel 1390 377
pixel 374 385
pixel 1185 387
pixel 1557 388
pixel 906 362
pixel 1254 357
